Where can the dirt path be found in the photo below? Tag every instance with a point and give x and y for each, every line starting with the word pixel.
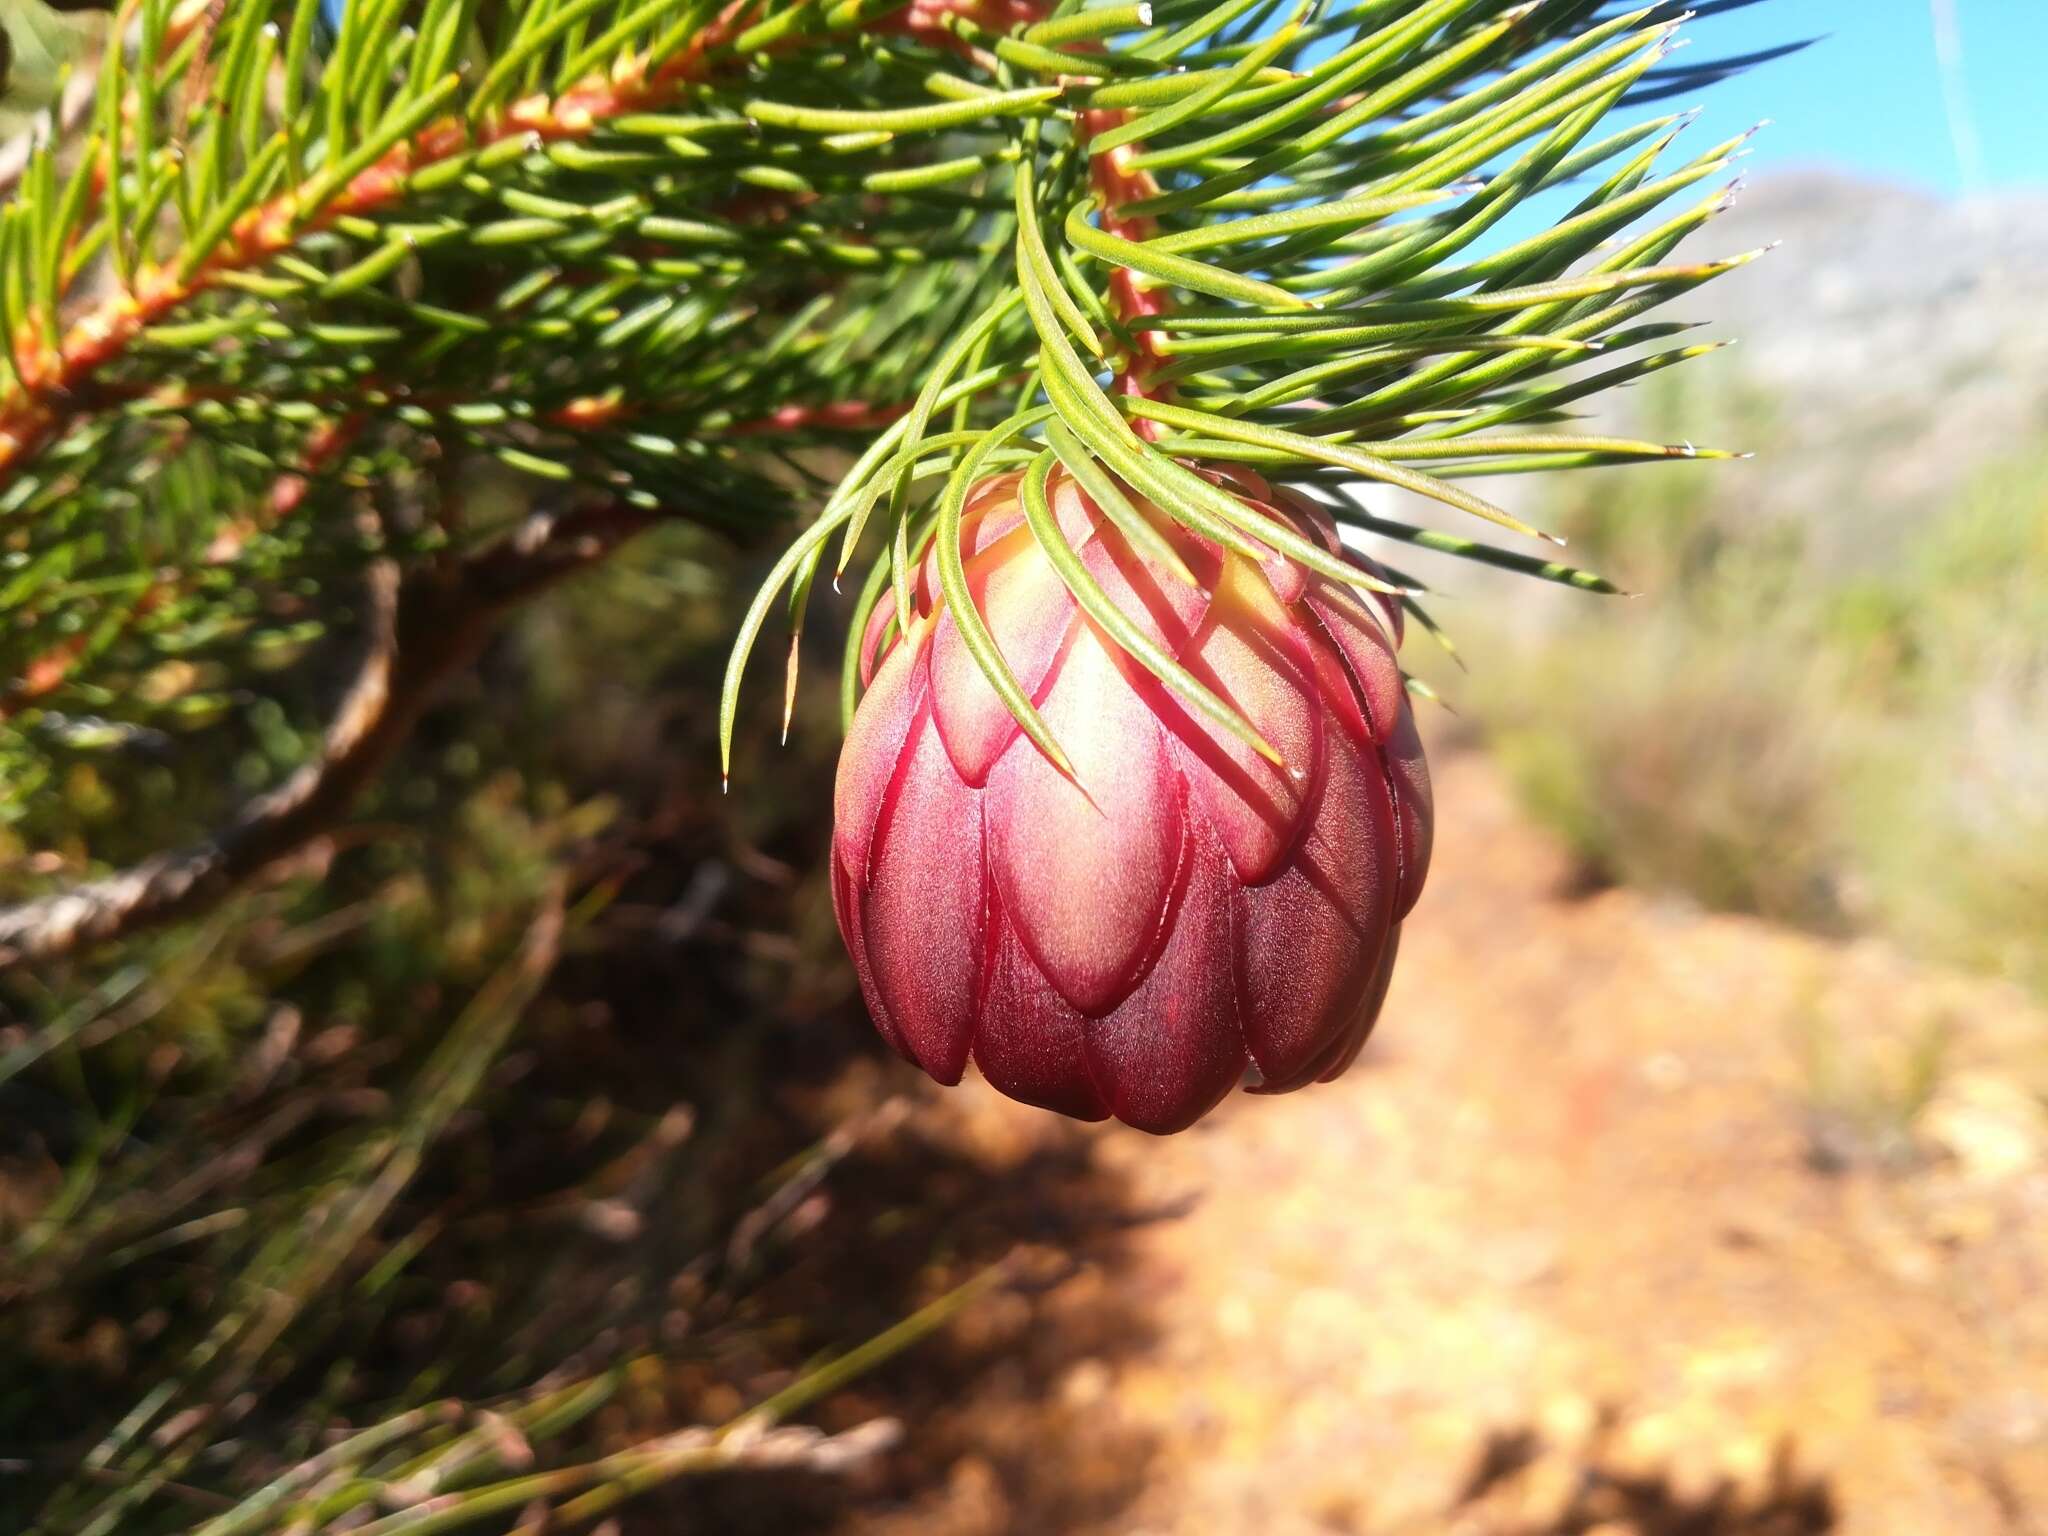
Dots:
pixel 1633 1220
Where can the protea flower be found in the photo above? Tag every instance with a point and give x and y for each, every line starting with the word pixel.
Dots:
pixel 1198 867
pixel 1127 940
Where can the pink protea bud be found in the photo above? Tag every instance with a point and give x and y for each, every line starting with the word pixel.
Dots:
pixel 1126 941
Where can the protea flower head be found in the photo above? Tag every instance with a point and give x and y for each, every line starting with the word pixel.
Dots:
pixel 1127 938
pixel 1132 807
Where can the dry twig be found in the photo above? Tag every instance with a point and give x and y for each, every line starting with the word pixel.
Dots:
pixel 426 625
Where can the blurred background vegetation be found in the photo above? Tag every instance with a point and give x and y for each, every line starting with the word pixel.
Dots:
pixel 540 1094
pixel 1830 705
pixel 1846 749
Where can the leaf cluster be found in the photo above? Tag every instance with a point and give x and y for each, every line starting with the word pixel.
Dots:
pixel 291 295
pixel 1314 195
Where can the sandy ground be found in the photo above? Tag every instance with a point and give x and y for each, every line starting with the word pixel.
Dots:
pixel 1632 1220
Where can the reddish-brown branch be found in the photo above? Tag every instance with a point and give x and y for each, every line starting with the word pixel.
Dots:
pixel 928 19
pixel 584 413
pixel 591 412
pixel 49 669
pixel 51 381
pixel 839 416
pixel 1117 185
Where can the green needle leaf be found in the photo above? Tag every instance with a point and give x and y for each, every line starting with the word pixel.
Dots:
pixel 1107 495
pixel 779 576
pixel 1342 456
pixel 974 633
pixel 1180 271
pixel 1152 125
pixel 1117 624
pixel 1471 549
pixel 930 119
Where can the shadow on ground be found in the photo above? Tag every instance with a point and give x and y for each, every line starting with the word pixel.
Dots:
pixel 1607 1498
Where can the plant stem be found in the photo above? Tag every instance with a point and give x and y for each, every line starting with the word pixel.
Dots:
pixel 1131 296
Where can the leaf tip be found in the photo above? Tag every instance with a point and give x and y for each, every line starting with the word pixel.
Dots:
pixel 1422 690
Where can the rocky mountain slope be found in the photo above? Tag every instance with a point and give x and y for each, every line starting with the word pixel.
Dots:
pixel 1891 344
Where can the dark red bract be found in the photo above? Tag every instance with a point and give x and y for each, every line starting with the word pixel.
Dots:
pixel 1126 942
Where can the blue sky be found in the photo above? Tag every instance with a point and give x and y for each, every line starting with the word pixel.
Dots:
pixel 1869 95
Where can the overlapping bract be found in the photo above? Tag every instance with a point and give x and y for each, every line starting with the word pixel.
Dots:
pixel 1123 942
